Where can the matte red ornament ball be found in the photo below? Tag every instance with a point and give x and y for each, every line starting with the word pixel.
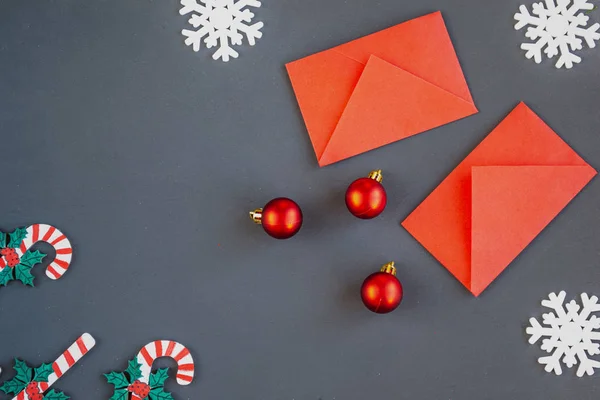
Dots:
pixel 366 197
pixel 382 292
pixel 281 218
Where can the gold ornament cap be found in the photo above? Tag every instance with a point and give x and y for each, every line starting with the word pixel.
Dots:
pixel 389 268
pixel 376 175
pixel 256 215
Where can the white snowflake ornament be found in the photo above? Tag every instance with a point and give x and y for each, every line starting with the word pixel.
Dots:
pixel 570 332
pixel 559 27
pixel 220 23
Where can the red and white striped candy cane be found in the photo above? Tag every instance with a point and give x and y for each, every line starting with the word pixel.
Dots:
pixel 63 363
pixel 49 234
pixel 166 348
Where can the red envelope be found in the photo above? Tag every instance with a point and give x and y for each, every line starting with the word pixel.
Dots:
pixel 478 220
pixel 381 88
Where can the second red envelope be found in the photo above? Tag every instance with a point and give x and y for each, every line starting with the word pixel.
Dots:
pixel 498 199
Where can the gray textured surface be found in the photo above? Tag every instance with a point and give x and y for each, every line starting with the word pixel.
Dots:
pixel 149 156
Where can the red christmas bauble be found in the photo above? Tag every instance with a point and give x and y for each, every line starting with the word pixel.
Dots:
pixel 366 197
pixel 281 218
pixel 382 292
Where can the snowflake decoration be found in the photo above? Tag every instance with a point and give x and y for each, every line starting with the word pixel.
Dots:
pixel 571 331
pixel 558 27
pixel 220 23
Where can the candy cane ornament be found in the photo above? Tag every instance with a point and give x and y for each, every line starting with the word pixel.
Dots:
pixel 17 259
pixel 37 381
pixel 138 379
pixel 167 348
pixel 55 238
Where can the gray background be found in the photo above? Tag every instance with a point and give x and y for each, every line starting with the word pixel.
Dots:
pixel 149 156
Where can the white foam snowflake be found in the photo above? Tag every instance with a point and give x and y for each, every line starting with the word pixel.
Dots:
pixel 571 331
pixel 219 23
pixel 558 27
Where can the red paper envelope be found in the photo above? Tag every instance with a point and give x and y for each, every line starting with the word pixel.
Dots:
pixel 381 88
pixel 478 220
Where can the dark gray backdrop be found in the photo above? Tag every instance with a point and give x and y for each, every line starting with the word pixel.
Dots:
pixel 149 157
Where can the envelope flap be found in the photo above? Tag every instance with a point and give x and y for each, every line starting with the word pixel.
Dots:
pixel 389 104
pixel 511 205
pixel 421 46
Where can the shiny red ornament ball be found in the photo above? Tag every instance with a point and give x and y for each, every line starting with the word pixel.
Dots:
pixel 281 218
pixel 382 292
pixel 366 197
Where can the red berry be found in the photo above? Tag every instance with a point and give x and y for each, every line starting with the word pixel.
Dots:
pixel 140 389
pixel 12 259
pixel 32 389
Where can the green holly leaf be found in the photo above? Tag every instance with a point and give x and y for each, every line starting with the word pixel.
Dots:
pixel 6 275
pixel 2 240
pixel 52 395
pixel 158 378
pixel 42 373
pixel 134 370
pixel 21 379
pixel 120 394
pixel 23 371
pixel 17 237
pixel 160 394
pixel 23 273
pixel 31 258
pixel 13 386
pixel 117 379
